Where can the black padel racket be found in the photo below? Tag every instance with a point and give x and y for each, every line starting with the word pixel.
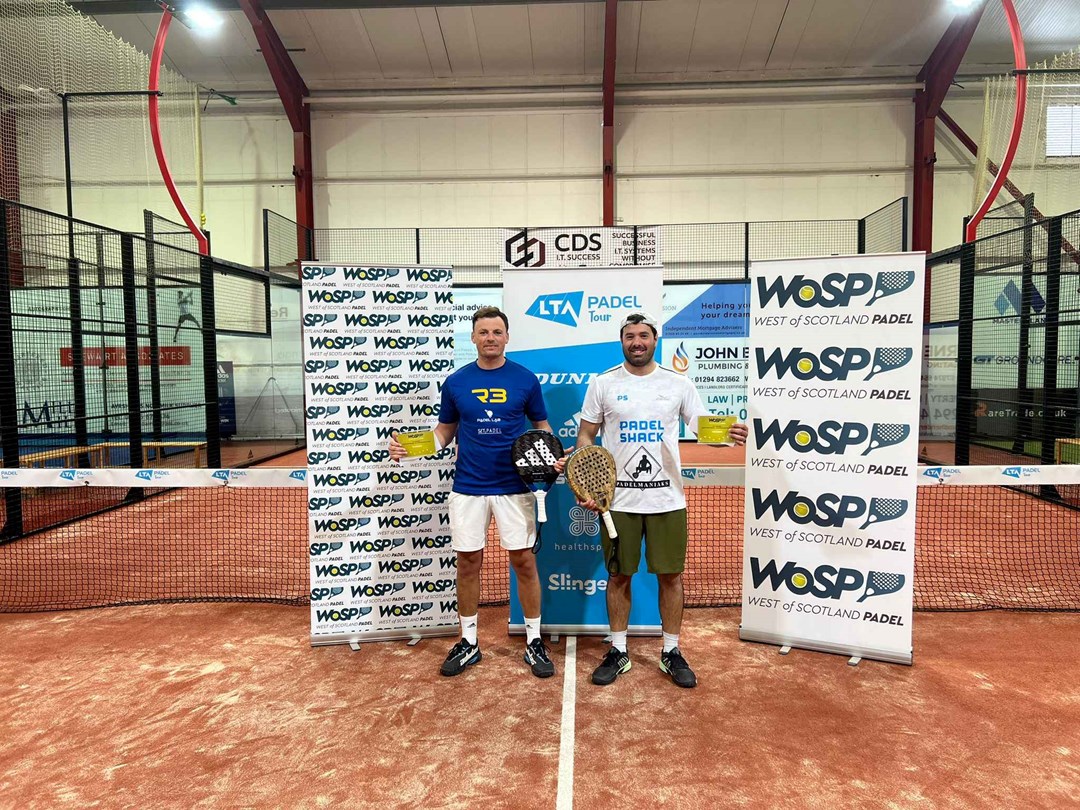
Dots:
pixel 590 472
pixel 534 455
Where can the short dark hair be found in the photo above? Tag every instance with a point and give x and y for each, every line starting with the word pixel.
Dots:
pixel 634 320
pixel 490 312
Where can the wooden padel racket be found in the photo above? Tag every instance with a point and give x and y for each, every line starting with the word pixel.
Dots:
pixel 534 454
pixel 590 472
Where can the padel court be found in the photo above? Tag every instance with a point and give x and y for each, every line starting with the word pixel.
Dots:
pixel 241 244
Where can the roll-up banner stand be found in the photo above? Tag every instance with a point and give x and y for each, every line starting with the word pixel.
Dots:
pixel 564 327
pixel 829 545
pixel 378 342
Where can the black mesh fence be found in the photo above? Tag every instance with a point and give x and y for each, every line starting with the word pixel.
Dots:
pixel 285 244
pixel 696 252
pixel 1006 217
pixel 1008 304
pixel 118 351
pixel 157 228
pixel 885 230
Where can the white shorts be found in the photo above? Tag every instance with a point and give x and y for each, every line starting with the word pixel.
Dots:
pixel 470 515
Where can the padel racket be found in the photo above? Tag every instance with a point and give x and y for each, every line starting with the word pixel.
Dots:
pixel 534 454
pixel 590 472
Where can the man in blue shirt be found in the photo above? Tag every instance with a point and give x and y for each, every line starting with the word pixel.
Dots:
pixel 486 405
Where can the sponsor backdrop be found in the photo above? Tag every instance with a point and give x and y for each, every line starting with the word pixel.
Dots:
pixel 580 247
pixel 706 331
pixel 565 329
pixel 378 342
pixel 828 552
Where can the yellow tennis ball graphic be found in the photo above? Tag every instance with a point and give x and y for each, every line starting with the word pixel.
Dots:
pixel 798 580
pixel 802 509
pixel 806 292
pixel 802 438
pixel 806 365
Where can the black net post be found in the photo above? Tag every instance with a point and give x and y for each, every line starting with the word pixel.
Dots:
pixel 1055 409
pixel 78 367
pixel 103 365
pixel 965 407
pixel 266 239
pixel 131 356
pixel 210 365
pixel 9 403
pixel 746 250
pixel 903 224
pixel 1026 396
pixel 152 329
pixel 862 236
pixel 418 246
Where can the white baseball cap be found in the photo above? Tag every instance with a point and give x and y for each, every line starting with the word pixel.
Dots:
pixel 634 318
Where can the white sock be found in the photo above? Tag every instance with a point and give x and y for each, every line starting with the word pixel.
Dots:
pixel 671 641
pixel 618 640
pixel 468 628
pixel 532 630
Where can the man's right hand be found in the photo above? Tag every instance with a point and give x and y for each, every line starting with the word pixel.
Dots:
pixel 397 449
pixel 589 504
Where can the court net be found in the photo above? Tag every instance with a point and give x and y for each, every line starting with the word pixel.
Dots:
pixel 987 537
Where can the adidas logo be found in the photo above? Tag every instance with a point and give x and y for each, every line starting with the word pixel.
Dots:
pixel 537 456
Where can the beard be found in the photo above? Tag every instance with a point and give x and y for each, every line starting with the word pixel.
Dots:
pixel 640 360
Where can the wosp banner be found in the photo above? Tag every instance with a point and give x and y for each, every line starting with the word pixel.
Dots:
pixel 378 342
pixel 535 248
pixel 564 327
pixel 829 546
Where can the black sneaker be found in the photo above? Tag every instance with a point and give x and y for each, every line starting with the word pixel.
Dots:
pixel 615 663
pixel 536 656
pixel 461 655
pixel 675 665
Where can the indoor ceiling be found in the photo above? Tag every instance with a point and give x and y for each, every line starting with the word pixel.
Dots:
pixel 386 46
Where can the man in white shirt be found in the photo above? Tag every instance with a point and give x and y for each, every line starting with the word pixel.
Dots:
pixel 639 405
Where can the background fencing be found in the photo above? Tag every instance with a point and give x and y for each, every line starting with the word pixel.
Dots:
pixel 698 252
pixel 116 350
pixel 1004 345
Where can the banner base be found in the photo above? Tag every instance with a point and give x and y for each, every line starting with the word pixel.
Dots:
pixel 585 629
pixel 326 639
pixel 888 656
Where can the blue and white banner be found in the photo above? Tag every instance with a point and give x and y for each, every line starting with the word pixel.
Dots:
pixel 378 342
pixel 564 327
pixel 829 545
pixel 706 337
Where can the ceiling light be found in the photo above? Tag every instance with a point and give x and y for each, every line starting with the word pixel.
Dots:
pixel 202 18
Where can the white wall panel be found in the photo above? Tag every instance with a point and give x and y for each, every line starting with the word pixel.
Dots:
pixel 688 164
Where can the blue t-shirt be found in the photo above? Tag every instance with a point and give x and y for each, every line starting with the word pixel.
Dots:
pixel 491 409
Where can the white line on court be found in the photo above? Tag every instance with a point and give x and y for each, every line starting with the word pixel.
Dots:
pixel 564 799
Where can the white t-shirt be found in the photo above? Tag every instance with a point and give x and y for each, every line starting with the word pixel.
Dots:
pixel 639 418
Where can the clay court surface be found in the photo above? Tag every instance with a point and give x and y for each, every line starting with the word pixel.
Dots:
pixel 220 705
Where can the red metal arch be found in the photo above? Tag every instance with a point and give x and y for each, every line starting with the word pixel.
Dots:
pixel 1018 121
pixel 155 133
